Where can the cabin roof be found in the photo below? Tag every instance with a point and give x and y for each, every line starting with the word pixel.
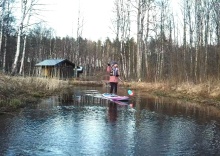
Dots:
pixel 54 62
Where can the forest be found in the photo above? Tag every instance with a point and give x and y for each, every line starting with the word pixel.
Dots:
pixel 166 47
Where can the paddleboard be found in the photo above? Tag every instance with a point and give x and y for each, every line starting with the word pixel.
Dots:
pixel 115 97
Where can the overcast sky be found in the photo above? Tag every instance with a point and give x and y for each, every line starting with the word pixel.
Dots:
pixel 62 16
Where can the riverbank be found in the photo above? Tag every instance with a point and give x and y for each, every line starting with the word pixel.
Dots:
pixel 207 93
pixel 16 92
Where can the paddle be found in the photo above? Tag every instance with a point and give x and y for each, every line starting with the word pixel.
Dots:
pixel 130 92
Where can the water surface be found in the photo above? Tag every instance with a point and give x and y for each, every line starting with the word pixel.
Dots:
pixel 75 124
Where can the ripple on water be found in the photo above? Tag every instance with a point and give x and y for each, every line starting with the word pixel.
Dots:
pixel 108 129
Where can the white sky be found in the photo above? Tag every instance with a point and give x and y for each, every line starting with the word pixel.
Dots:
pixel 62 16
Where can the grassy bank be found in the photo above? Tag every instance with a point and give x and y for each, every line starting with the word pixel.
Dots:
pixel 15 92
pixel 206 93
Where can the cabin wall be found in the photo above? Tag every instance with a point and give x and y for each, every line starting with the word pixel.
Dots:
pixel 59 72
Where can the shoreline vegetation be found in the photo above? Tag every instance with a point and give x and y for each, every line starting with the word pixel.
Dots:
pixel 207 93
pixel 16 92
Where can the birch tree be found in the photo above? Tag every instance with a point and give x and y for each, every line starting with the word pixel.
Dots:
pixel 149 26
pixel 189 14
pixel 184 10
pixel 26 8
pixel 5 6
pixel 122 26
pixel 216 25
pixel 2 14
pixel 164 11
pixel 206 35
pixel 200 20
pixel 141 10
pixel 25 38
pixel 80 23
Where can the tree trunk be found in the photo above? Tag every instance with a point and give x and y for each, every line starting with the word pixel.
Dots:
pixel 15 64
pixel 4 54
pixel 1 26
pixel 140 19
pixel 23 56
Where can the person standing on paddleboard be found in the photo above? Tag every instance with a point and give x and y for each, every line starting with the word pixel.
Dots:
pixel 113 70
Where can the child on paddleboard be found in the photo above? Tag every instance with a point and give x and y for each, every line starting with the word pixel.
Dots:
pixel 113 70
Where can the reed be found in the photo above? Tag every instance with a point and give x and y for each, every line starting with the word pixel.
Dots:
pixel 15 90
pixel 205 91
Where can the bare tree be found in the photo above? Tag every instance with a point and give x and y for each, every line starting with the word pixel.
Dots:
pixel 122 24
pixel 141 10
pixel 2 14
pixel 148 31
pixel 80 23
pixel 189 15
pixel 26 8
pixel 25 37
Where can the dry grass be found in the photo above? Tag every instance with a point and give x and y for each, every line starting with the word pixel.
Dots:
pixel 86 83
pixel 15 91
pixel 209 89
pixel 207 92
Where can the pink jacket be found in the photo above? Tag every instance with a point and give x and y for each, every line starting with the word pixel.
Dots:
pixel 112 78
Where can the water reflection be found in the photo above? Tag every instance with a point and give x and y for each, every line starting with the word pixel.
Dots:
pixel 112 111
pixel 78 124
pixel 178 108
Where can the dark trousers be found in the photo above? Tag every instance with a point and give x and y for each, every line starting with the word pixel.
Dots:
pixel 113 87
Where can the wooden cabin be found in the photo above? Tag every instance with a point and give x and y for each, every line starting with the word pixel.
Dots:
pixel 55 68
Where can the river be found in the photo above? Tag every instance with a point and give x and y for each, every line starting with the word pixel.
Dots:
pixel 74 124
